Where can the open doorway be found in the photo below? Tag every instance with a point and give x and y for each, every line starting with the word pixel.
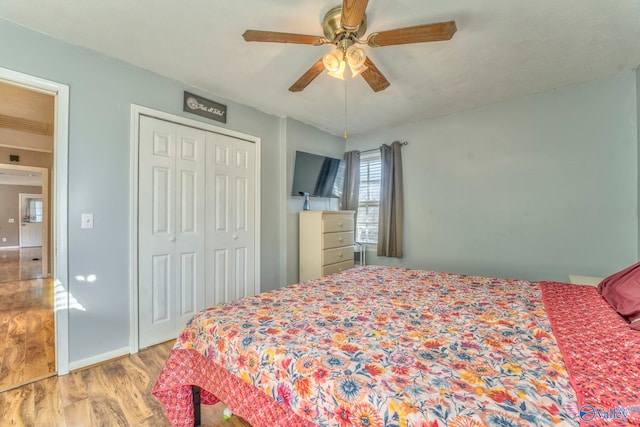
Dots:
pixel 24 238
pixel 27 301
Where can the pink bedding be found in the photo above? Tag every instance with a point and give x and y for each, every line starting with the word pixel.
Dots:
pixel 380 346
pixel 601 353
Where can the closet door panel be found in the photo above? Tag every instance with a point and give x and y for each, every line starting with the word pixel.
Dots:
pixel 231 169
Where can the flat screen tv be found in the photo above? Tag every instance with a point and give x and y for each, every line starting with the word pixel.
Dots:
pixel 320 176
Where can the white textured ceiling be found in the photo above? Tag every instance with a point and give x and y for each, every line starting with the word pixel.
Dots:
pixel 503 49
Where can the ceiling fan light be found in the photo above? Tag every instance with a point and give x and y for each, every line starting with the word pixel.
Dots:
pixel 356 71
pixel 356 57
pixel 339 73
pixel 334 63
pixel 332 60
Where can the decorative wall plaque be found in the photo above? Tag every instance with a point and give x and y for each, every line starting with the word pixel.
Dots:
pixel 204 107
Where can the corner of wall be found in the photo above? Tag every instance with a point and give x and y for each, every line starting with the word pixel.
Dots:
pixel 282 200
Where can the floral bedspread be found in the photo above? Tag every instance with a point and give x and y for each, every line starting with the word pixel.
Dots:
pixel 382 346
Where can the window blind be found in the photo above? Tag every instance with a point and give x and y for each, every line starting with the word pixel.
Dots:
pixel 369 198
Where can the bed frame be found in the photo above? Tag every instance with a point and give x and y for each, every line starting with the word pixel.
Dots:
pixel 197 420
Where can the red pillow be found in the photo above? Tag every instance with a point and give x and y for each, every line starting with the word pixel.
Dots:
pixel 622 291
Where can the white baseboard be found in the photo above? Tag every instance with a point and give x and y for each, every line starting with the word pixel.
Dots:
pixel 9 247
pixel 93 360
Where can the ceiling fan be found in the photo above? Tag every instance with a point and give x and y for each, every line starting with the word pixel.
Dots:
pixel 343 26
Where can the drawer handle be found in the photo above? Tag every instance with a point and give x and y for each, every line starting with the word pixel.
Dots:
pixel 340 255
pixel 340 240
pixel 339 224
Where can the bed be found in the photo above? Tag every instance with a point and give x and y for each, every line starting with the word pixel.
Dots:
pixel 385 346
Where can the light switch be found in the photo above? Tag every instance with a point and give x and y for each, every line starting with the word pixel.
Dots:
pixel 11 221
pixel 87 220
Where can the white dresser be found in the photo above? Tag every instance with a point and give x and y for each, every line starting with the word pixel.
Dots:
pixel 326 243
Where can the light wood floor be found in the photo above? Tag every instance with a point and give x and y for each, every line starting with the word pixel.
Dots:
pixel 20 264
pixel 117 393
pixel 27 337
pixel 113 394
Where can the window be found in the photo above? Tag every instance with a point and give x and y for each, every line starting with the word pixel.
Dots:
pixel 35 210
pixel 369 198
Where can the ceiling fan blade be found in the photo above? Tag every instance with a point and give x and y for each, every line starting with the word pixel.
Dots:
pixel 374 77
pixel 352 14
pixel 418 34
pixel 276 37
pixel 308 77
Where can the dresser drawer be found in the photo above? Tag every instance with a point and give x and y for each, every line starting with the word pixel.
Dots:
pixel 335 223
pixel 335 268
pixel 335 240
pixel 332 256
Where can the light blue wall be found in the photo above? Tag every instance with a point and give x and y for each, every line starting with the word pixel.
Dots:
pixel 300 136
pixel 638 159
pixel 535 188
pixel 102 90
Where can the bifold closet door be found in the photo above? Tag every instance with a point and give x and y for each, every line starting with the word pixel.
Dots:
pixel 231 243
pixel 171 228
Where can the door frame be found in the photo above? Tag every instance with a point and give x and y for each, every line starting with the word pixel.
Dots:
pixel 45 229
pixel 59 215
pixel 136 112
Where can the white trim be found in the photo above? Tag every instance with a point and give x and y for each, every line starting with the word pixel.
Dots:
pixel 6 248
pixel 47 222
pixel 136 112
pixel 60 202
pixel 133 229
pixel 99 358
pixel 258 213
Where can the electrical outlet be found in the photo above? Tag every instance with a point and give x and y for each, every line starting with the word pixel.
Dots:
pixel 4 239
pixel 11 221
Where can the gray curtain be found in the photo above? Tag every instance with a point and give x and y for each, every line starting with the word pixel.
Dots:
pixel 351 181
pixel 391 198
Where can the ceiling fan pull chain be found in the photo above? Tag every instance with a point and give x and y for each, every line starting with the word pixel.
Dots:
pixel 346 134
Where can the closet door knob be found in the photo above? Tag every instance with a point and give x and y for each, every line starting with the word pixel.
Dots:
pixel 172 239
pixel 235 237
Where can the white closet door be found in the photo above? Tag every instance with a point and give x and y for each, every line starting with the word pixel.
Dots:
pixel 231 186
pixel 171 232
pixel 190 219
